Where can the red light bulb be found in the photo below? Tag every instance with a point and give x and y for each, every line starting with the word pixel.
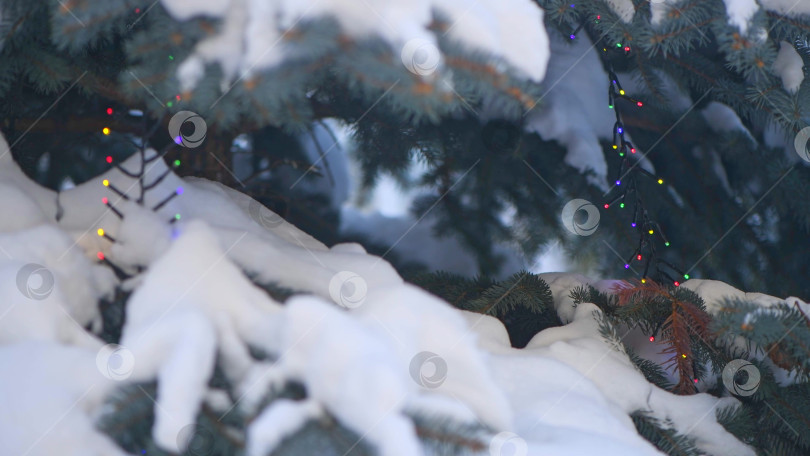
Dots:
pixel 638 257
pixel 640 104
pixel 607 205
pixel 109 111
pixel 100 255
pixel 652 338
pixel 104 200
pixel 677 284
pixel 109 159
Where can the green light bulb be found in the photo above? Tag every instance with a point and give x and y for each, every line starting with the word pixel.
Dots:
pixel 177 163
pixel 621 205
pixel 666 243
pixel 686 276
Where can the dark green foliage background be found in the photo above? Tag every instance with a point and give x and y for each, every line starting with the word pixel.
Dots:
pixel 751 237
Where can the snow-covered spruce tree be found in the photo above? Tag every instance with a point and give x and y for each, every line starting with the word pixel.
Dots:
pixel 230 331
pixel 466 90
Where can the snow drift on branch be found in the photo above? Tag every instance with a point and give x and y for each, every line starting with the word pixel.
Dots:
pixel 253 33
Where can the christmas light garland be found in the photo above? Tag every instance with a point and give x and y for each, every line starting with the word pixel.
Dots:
pixel 627 185
pixel 144 188
pixel 627 175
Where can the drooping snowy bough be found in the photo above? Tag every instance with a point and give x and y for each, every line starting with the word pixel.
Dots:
pixel 373 353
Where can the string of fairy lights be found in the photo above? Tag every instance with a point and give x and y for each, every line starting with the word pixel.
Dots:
pixel 140 176
pixel 626 190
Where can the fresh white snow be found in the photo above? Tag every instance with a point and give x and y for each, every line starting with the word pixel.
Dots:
pixel 574 109
pixel 253 32
pixel 623 8
pixel 740 12
pixel 789 66
pixel 787 7
pixel 369 348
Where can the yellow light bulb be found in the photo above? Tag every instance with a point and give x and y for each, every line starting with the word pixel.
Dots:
pixel 643 280
pixel 105 130
pixel 106 183
pixel 684 355
pixel 651 231
pixel 621 92
pixel 100 232
pixel 615 146
pixel 660 181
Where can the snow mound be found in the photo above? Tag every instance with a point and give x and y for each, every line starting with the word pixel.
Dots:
pixel 370 349
pixel 50 287
pixel 192 300
pixel 48 402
